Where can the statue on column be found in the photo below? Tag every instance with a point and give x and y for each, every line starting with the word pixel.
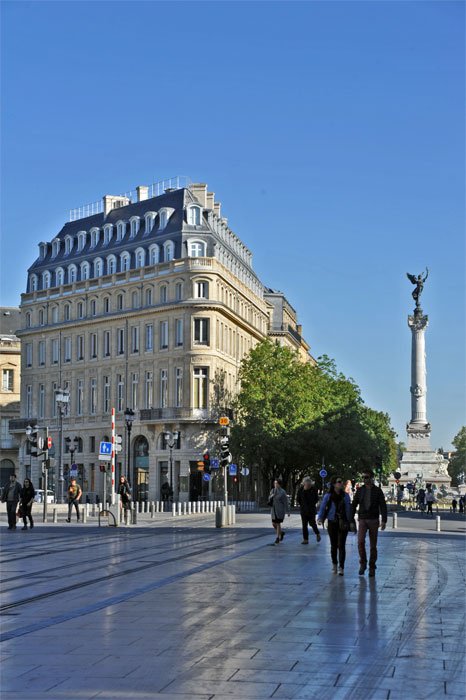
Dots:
pixel 419 282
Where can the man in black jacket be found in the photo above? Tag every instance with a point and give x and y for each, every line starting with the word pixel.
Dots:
pixel 307 498
pixel 11 495
pixel 371 502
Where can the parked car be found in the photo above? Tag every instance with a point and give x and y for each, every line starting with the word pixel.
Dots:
pixel 39 497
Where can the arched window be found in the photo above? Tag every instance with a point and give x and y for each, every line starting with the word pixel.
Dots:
pixel 163 293
pixel 85 270
pixel 41 317
pixel 120 302
pixel 93 307
pixel 59 276
pixel 108 230
pixel 154 253
pixel 134 224
pixel 42 250
pixel 55 247
pixel 135 300
pixel 168 251
pixel 54 314
pixel 111 264
pixel 121 226
pixel 106 305
pixel 28 319
pixel 149 219
pixel 163 219
pixel 140 257
pixel 125 261
pixel 194 216
pixel 201 289
pixel 68 244
pixel 149 296
pixel 196 249
pixel 46 279
pixel 81 240
pixel 179 291
pixel 33 283
pixel 95 235
pixel 72 273
pixel 98 267
pixel 67 312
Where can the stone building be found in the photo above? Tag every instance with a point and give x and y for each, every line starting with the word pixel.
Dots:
pixel 10 372
pixel 147 301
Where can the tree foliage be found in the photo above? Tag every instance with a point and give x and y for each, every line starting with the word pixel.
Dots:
pixel 457 466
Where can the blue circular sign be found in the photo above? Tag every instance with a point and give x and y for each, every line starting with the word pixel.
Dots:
pixel 206 477
pixel 323 473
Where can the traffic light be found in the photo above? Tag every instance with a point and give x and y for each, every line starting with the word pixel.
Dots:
pixel 206 459
pixel 117 445
pixel 35 440
pixel 225 456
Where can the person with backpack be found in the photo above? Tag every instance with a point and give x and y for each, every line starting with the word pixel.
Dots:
pixel 307 498
pixel 370 501
pixel 336 509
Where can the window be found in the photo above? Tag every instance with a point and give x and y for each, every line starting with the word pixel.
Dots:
pixel 106 305
pixel 7 380
pixel 111 265
pixel 41 317
pixel 106 386
pixel 194 216
pixel 125 261
pixel 29 401
pixel 120 392
pixel 98 267
pixel 178 386
pixel 201 289
pixel 163 388
pixel 140 257
pixel 121 226
pixel 93 346
pixel 28 353
pixel 163 294
pixel 178 332
pixel 200 387
pixel 85 270
pixel 80 310
pixel 107 344
pixel 68 244
pixel 134 226
pixel 54 314
pixel 92 443
pixel 80 347
pixel 163 335
pixel 28 319
pixel 135 300
pixel 134 390
pixel 168 251
pixel 196 249
pixel 72 273
pixel 135 339
pixel 81 240
pixel 121 341
pixel 201 331
pixel 148 390
pixel 59 276
pixel 149 221
pixel 67 312
pixel 41 353
pixel 119 302
pixel 93 307
pixel 149 337
pixel 67 349
pixel 41 407
pixel 55 247
pixel 33 283
pixel 95 235
pixel 154 254
pixel 79 397
pixel 93 396
pixel 179 291
pixel 55 351
pixel 163 219
pixel 46 279
pixel 149 296
pixel 108 230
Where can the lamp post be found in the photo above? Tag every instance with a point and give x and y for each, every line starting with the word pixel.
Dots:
pixel 62 398
pixel 171 439
pixel 129 418
pixel 72 446
pixel 29 433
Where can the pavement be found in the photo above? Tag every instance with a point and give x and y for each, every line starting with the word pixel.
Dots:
pixel 173 608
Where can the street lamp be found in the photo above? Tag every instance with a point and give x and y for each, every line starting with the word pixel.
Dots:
pixel 129 418
pixel 171 439
pixel 72 446
pixel 29 437
pixel 62 399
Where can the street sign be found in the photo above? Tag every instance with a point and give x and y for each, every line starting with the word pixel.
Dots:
pixel 105 451
pixel 224 420
pixel 323 473
pixel 233 469
pixel 74 471
pixel 206 477
pixel 245 471
pixel 214 463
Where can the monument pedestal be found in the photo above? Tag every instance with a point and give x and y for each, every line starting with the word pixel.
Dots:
pixel 420 461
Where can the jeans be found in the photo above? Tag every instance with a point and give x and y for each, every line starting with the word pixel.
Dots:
pixel 373 527
pixel 309 519
pixel 26 510
pixel 11 508
pixel 337 542
pixel 73 502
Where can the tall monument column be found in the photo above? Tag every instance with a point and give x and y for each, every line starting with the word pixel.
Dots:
pixel 418 323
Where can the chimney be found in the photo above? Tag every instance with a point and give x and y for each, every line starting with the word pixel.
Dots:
pixel 114 202
pixel 143 192
pixel 209 200
pixel 217 207
pixel 299 329
pixel 199 190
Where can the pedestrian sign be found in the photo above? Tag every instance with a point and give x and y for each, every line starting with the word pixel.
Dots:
pixel 105 451
pixel 214 463
pixel 323 473
pixel 206 476
pixel 233 469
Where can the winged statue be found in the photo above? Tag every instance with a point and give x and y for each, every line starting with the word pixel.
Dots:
pixel 418 280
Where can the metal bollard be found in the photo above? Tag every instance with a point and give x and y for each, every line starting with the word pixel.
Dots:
pixel 233 511
pixel 179 508
pixel 218 517
pixel 93 510
pixel 173 509
pixel 84 515
pixel 224 516
pixel 395 520
pixel 134 518
pixel 189 507
pixel 152 509
pixel 184 508
pixel 55 515
pixel 437 523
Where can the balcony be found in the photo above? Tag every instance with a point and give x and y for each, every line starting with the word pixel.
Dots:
pixel 165 414
pixel 20 424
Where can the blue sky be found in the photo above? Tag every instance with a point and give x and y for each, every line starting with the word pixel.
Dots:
pixel 332 133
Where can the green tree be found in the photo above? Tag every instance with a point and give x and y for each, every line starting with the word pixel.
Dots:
pixel 457 466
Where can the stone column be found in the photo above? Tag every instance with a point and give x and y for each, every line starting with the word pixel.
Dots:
pixel 418 323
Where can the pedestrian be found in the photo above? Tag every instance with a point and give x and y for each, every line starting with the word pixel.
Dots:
pixel 10 495
pixel 454 505
pixel 279 504
pixel 74 495
pixel 307 498
pixel 348 488
pixel 461 504
pixel 124 491
pixel 27 499
pixel 166 494
pixel 370 501
pixel 336 509
pixel 430 500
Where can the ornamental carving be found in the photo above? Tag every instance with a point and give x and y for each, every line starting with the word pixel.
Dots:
pixel 417 391
pixel 417 322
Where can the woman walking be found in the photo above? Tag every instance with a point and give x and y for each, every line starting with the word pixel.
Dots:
pixel 336 509
pixel 124 491
pixel 307 498
pixel 27 499
pixel 278 500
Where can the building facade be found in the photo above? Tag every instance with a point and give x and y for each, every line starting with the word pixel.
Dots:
pixel 148 304
pixel 10 374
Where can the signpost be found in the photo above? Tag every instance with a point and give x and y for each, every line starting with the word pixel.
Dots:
pixel 105 451
pixel 323 474
pixel 245 471
pixel 233 469
pixel 214 463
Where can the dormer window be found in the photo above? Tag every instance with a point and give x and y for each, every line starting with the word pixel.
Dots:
pixel 85 270
pixel 134 223
pixel 121 226
pixel 154 254
pixel 140 257
pixel 68 244
pixel 72 274
pixel 55 247
pixel 163 219
pixel 194 216
pixel 108 230
pixel 125 260
pixel 168 251
pixel 95 235
pixel 196 249
pixel 46 279
pixel 33 283
pixel 149 220
pixel 42 250
pixel 81 240
pixel 111 265
pixel 98 267
pixel 59 276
